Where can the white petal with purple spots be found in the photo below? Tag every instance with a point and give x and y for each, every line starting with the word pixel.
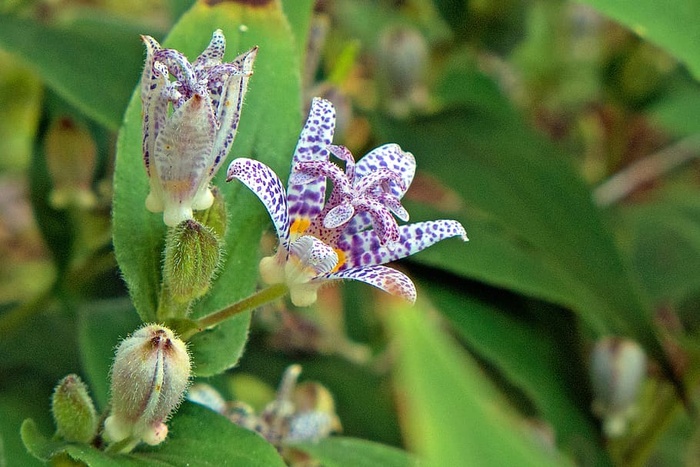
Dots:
pixel 387 279
pixel 268 188
pixel 364 249
pixel 392 157
pixel 229 108
pixel 307 200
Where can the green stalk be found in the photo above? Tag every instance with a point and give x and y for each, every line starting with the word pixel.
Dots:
pixel 258 299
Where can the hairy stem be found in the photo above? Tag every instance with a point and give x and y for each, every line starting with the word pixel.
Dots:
pixel 258 299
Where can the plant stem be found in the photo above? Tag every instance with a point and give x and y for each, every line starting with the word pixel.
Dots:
pixel 258 299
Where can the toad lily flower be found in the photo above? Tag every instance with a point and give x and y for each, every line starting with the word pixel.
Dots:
pixel 189 123
pixel 352 233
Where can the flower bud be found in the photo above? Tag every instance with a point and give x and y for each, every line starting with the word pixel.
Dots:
pixel 71 156
pixel 618 368
pixel 150 374
pixel 192 254
pixel 73 410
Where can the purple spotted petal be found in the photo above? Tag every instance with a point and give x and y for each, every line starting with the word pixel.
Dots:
pixel 229 107
pixel 344 154
pixel 182 70
pixel 383 223
pixel 313 255
pixel 213 54
pixel 307 200
pixel 338 216
pixel 155 105
pixel 389 156
pixel 387 279
pixel 363 249
pixel 268 187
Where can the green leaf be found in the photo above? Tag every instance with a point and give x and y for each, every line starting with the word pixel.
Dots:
pixel 450 412
pixel 520 187
pixel 671 25
pixel 268 131
pixel 665 234
pixel 195 434
pixel 339 452
pixel 101 325
pixel 299 14
pixel 25 397
pixel 96 73
pixel 201 434
pixel 531 358
pixel 36 443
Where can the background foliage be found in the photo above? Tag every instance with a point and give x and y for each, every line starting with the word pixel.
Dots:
pixel 563 135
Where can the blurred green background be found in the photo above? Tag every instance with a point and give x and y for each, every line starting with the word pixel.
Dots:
pixel 563 135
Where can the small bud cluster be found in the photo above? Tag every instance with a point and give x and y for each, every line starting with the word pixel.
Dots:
pixel 299 412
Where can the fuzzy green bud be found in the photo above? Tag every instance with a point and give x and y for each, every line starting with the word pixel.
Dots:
pixel 150 374
pixel 71 155
pixel 73 410
pixel 215 217
pixel 192 255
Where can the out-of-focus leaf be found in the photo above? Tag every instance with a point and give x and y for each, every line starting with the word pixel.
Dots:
pixel 531 359
pixel 27 397
pixel 299 14
pixel 100 327
pixel 268 130
pixel 678 112
pixel 339 452
pixel 195 434
pixel 450 412
pixel 665 241
pixel 96 73
pixel 671 25
pixel 502 169
pixel 20 108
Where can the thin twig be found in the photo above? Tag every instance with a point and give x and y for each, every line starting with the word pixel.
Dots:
pixel 652 167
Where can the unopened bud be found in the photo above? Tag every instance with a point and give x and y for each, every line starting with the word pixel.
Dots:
pixel 73 410
pixel 71 156
pixel 618 368
pixel 150 374
pixel 192 254
pixel 215 217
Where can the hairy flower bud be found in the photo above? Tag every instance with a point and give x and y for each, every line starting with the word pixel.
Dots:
pixel 73 410
pixel 71 155
pixel 192 254
pixel 150 374
pixel 618 368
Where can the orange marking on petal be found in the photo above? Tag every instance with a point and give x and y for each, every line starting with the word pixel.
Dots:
pixel 299 226
pixel 341 259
